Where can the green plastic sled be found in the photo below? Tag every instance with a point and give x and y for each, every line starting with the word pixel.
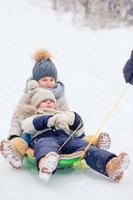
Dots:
pixel 65 161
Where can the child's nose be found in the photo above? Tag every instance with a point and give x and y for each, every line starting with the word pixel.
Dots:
pixel 48 82
pixel 49 101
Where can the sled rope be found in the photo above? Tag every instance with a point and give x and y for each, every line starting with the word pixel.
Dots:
pixel 106 118
pixel 102 125
pixel 71 135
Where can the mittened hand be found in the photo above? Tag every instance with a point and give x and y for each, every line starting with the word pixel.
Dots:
pixel 61 120
pixel 90 139
pixel 51 121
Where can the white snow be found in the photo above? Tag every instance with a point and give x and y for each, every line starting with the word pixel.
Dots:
pixel 90 64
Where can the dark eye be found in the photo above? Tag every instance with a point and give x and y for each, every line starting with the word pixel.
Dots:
pixel 52 101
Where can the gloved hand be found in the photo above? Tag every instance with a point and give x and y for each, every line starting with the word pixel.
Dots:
pixel 61 120
pixel 51 121
pixel 90 139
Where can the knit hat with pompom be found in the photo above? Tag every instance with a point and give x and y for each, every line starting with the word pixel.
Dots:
pixel 36 94
pixel 44 66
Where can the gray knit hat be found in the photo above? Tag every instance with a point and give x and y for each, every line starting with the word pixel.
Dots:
pixel 43 66
pixel 36 94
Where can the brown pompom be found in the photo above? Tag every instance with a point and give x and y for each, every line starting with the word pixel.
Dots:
pixel 42 54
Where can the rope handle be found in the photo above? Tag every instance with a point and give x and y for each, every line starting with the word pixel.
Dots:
pixel 102 125
pixel 106 118
pixel 71 136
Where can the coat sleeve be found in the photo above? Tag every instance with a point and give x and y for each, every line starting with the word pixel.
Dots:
pixel 128 70
pixel 35 123
pixel 78 126
pixel 15 125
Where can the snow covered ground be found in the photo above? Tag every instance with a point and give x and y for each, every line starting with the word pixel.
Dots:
pixel 90 64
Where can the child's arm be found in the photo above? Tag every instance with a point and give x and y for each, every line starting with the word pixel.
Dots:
pixel 15 126
pixel 128 70
pixel 68 121
pixel 77 125
pixel 35 123
pixel 60 121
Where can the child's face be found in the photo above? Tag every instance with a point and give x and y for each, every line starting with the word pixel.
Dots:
pixel 47 82
pixel 48 103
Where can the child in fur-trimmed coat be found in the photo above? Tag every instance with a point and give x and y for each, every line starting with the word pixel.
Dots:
pixel 35 95
pixel 45 74
pixel 50 128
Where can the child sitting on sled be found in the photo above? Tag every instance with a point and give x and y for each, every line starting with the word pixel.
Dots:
pixel 45 73
pixel 21 142
pixel 50 128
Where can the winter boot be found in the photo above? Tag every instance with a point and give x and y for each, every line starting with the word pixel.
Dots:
pixel 10 153
pixel 103 141
pixel 116 166
pixel 48 165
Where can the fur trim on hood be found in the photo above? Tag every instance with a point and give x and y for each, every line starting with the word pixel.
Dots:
pixel 27 111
